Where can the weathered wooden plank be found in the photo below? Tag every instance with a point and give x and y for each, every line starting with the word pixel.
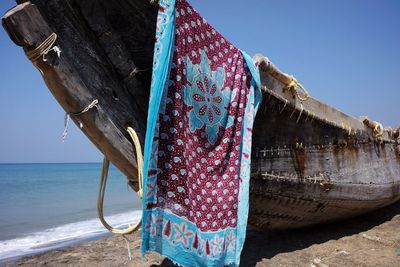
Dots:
pixel 276 82
pixel 80 75
pixel 125 32
pixel 309 170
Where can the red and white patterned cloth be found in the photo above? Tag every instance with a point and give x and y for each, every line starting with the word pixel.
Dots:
pixel 198 167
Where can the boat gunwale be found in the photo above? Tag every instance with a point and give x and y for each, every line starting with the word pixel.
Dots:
pixel 314 109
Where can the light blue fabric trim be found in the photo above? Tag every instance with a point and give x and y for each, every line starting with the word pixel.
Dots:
pixel 162 54
pixel 184 256
pixel 255 96
pixel 255 73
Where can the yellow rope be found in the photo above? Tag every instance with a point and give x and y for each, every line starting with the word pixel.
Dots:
pixel 139 159
pixel 42 49
pixel 378 130
pixel 376 127
pixel 103 182
pixel 295 87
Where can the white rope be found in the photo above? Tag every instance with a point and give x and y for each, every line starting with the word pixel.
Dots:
pixel 128 247
pixel 301 112
pixel 66 124
pixel 68 115
pixel 42 50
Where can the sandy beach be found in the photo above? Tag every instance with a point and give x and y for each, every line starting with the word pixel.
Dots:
pixel 369 240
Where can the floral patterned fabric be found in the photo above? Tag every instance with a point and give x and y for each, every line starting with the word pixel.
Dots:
pixel 204 96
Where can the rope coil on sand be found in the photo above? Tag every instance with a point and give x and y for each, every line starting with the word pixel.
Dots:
pixel 103 182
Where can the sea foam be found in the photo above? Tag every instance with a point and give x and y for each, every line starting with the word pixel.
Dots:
pixel 62 236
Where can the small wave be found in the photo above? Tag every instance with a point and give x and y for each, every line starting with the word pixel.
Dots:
pixel 61 236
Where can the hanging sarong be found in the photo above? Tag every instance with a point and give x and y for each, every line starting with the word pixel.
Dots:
pixel 203 100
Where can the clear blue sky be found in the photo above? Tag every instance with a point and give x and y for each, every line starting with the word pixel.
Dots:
pixel 347 53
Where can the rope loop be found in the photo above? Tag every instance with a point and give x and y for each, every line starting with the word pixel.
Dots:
pixel 378 130
pixel 72 114
pixel 297 89
pixel 103 181
pixel 139 159
pixel 376 127
pixel 44 48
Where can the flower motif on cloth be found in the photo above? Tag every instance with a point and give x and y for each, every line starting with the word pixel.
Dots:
pixel 154 224
pixel 182 234
pixel 206 97
pixel 217 245
pixel 198 142
pixel 230 241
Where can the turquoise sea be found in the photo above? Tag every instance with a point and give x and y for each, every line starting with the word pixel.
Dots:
pixel 47 206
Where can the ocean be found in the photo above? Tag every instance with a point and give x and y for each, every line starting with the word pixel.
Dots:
pixel 48 206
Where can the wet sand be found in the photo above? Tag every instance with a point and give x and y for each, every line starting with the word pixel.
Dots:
pixel 369 240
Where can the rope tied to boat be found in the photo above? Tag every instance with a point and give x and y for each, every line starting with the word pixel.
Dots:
pixel 289 82
pixel 103 181
pixel 74 114
pixel 376 127
pixel 43 49
pixel 394 134
pixel 139 159
pixel 297 89
pixel 378 130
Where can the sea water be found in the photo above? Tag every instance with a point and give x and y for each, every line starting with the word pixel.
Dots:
pixel 47 206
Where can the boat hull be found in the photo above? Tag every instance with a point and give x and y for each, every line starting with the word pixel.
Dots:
pixel 307 171
pixel 310 162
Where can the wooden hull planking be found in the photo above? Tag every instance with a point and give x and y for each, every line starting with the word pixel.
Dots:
pixel 310 163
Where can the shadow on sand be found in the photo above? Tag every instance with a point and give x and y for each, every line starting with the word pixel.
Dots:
pixel 265 245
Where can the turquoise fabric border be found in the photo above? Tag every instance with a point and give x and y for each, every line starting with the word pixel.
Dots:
pixel 243 207
pixel 181 255
pixel 255 73
pixel 163 50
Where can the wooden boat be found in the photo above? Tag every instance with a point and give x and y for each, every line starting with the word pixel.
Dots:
pixel 311 163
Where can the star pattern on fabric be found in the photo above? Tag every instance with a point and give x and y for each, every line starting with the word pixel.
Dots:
pixel 230 241
pixel 217 245
pixel 182 234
